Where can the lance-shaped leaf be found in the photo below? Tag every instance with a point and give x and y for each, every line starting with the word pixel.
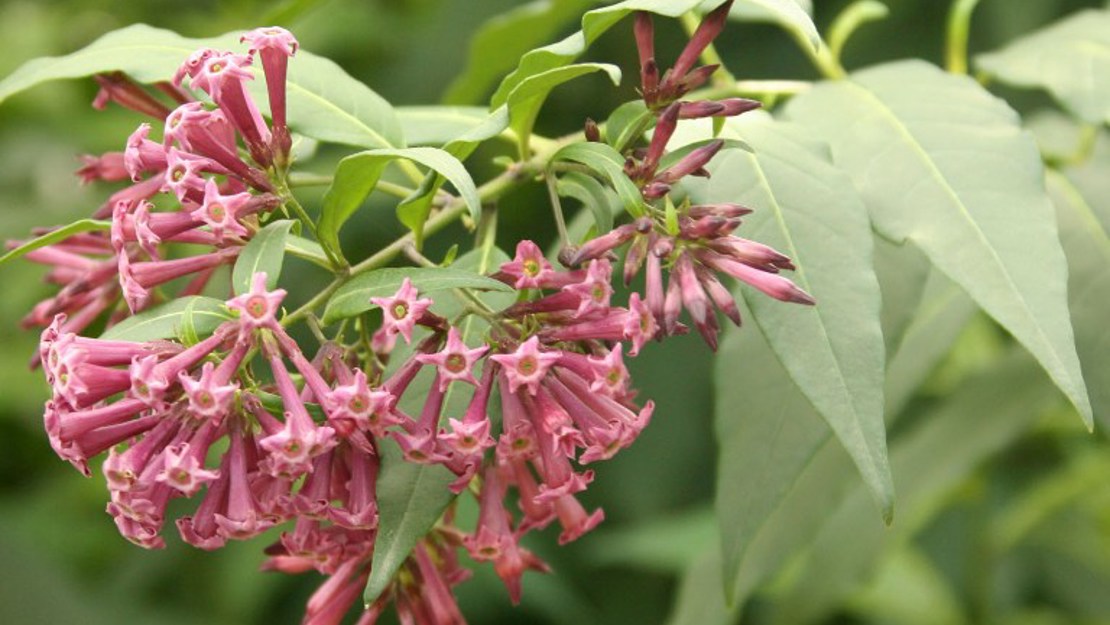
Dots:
pixel 1070 59
pixel 596 198
pixel 353 298
pixel 780 469
pixel 528 97
pixel 54 236
pixel 307 249
pixel 594 24
pixel 358 174
pixel 1084 219
pixel 436 125
pixel 264 252
pixel 942 163
pixel 807 209
pixel 197 314
pixel 504 38
pixel 606 163
pixel 324 102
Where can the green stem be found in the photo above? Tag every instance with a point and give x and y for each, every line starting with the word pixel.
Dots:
pixel 844 26
pixel 709 56
pixel 489 192
pixel 556 208
pixel 396 190
pixel 821 57
pixel 300 179
pixel 959 27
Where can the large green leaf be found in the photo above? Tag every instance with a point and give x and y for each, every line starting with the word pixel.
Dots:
pixel 699 599
pixel 264 252
pixel 594 24
pixel 195 314
pixel 353 298
pixel 942 163
pixel 780 469
pixel 982 417
pixel 358 174
pixel 528 97
pixel 1070 59
pixel 1084 220
pixel 55 236
pixel 502 40
pixel 808 210
pixel 324 102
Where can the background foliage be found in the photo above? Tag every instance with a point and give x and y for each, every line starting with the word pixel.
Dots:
pixel 1003 511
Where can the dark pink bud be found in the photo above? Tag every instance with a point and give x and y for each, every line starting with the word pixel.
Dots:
pixel 707 31
pixel 117 87
pixel 697 110
pixel 690 163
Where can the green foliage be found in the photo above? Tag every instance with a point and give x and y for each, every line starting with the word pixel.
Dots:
pixel 353 298
pixel 265 252
pixel 196 315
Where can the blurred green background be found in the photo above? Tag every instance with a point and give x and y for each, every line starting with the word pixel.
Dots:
pixel 61 559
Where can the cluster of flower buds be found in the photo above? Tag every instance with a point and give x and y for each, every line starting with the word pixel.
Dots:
pixel 694 242
pixel 219 195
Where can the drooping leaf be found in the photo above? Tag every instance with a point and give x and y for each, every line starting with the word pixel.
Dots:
pixel 594 24
pixel 942 163
pixel 1070 59
pixel 359 173
pixel 807 209
pixel 503 39
pixel 416 208
pixel 1084 220
pixel 902 271
pixel 55 236
pixel 264 252
pixel 353 298
pixel 324 102
pixel 168 320
pixel 624 121
pixel 591 194
pixel 528 97
pixel 411 498
pixel 780 469
pixel 792 15
pixel 606 162
pixel 984 415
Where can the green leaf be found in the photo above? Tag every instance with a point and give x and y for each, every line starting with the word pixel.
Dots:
pixel 809 210
pixel 982 417
pixel 792 15
pixel 264 252
pixel 699 600
pixel 607 163
pixel 902 271
pixel 503 39
pixel 411 498
pixel 436 125
pixel 358 174
pixel 55 236
pixel 168 320
pixel 323 101
pixel 307 249
pixel 780 469
pixel 625 121
pixel 1070 59
pixel 416 208
pixel 528 97
pixel 353 298
pixel 591 194
pixel 663 544
pixel 1084 220
pixel 942 163
pixel 594 24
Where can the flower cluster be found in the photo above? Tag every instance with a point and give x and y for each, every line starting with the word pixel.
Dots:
pixel 217 194
pixel 263 435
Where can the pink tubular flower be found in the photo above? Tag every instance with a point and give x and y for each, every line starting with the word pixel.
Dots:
pixel 258 307
pixel 275 45
pixel 455 361
pixel 526 366
pixel 401 311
